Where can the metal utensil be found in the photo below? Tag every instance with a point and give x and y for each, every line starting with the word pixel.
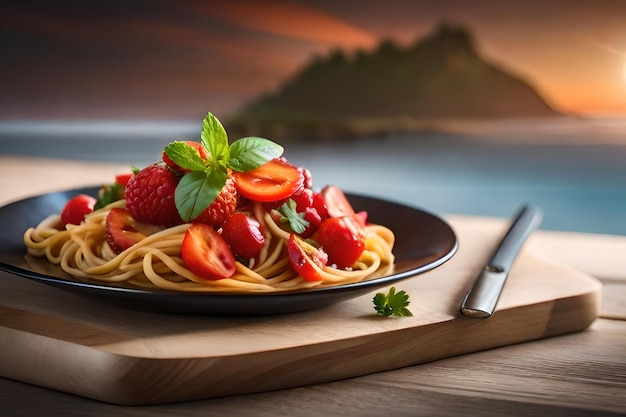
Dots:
pixel 480 302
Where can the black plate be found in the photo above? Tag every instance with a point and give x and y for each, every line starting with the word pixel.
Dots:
pixel 423 242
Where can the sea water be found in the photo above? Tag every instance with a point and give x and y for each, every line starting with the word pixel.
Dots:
pixel 574 169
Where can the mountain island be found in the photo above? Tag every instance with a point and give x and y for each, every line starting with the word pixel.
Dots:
pixel 391 89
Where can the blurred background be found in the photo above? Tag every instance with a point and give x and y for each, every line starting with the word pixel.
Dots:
pixel 452 106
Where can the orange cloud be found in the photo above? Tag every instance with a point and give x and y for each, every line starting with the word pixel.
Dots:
pixel 289 19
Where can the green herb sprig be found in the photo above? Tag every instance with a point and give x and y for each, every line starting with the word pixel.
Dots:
pixel 392 304
pixel 199 187
pixel 290 215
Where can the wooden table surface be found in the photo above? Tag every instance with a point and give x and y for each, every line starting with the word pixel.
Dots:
pixel 580 374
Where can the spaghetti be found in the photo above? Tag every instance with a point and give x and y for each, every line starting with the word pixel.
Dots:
pixel 155 262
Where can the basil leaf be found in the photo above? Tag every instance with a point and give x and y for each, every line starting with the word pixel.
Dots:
pixel 214 138
pixel 184 155
pixel 197 190
pixel 252 152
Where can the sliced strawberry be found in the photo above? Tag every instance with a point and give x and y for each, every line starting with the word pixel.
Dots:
pixel 306 259
pixel 224 206
pixel 336 202
pixel 206 253
pixel 122 231
pixel 150 196
pixel 272 181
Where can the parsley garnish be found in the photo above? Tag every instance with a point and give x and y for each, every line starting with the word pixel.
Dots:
pixel 199 187
pixel 392 304
pixel 290 215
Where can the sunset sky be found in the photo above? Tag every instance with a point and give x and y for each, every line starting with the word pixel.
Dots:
pixel 180 59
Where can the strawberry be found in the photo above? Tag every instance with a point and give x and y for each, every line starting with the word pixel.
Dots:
pixel 342 238
pixel 122 231
pixel 77 208
pixel 224 206
pixel 150 196
pixel 337 204
pixel 244 235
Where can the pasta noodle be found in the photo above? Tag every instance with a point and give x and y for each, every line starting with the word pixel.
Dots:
pixel 155 262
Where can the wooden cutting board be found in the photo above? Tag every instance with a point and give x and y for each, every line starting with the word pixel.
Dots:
pixel 55 339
